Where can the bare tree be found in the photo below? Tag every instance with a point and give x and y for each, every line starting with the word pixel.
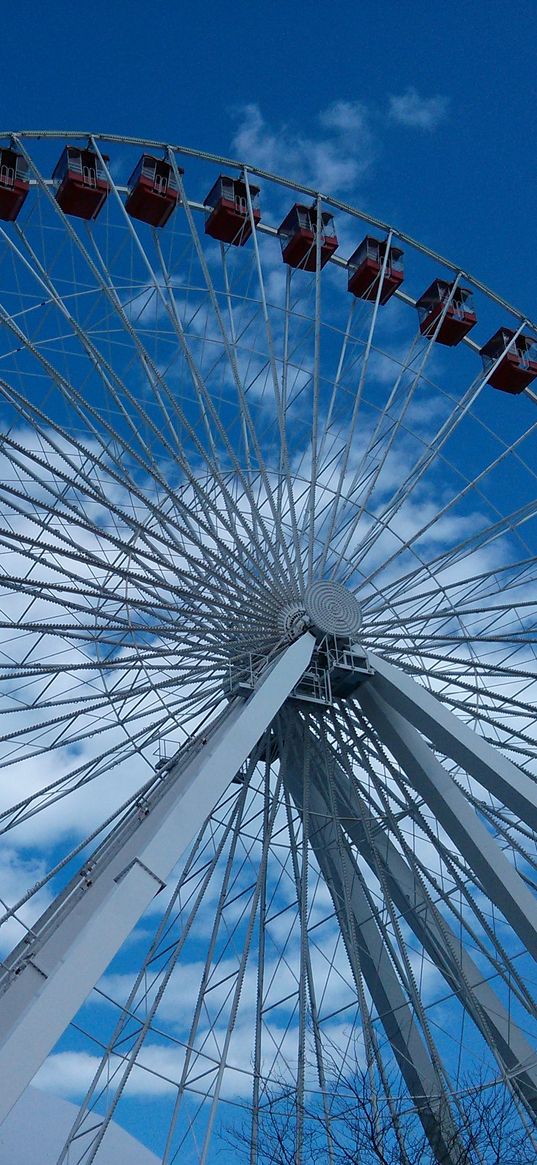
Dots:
pixel 358 1125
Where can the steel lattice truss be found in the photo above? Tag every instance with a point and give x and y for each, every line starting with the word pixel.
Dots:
pixel 267 666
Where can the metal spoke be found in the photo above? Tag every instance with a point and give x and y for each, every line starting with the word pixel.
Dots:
pixel 268 566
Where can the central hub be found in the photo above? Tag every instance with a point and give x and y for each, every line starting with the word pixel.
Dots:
pixel 332 610
pixel 338 664
pixel 328 609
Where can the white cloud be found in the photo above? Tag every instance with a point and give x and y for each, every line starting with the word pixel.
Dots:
pixel 67 1073
pixel 416 112
pixel 17 872
pixel 347 117
pixel 335 157
pixel 342 143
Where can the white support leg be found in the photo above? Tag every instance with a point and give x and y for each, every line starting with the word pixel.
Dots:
pixel 365 944
pixel 500 881
pixel 451 736
pixel 444 946
pixel 50 975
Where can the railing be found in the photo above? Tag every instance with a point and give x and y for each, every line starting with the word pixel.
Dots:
pixel 334 661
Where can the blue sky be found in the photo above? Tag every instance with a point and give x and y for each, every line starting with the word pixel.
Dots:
pixel 462 181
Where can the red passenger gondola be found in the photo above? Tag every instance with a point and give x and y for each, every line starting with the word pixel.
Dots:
pixel 517 364
pixel 229 220
pixel 82 182
pixel 153 193
pixel 459 315
pixel 365 266
pixel 14 183
pixel 297 237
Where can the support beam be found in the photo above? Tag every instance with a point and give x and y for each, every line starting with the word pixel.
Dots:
pixel 494 771
pixel 52 971
pixel 365 944
pixel 508 1043
pixel 499 880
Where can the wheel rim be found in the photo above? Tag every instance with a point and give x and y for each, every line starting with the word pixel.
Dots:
pixel 194 437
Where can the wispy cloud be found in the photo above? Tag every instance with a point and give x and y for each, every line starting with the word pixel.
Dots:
pixel 416 112
pixel 335 157
pixel 343 141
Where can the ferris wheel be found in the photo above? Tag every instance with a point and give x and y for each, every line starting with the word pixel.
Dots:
pixel 268 671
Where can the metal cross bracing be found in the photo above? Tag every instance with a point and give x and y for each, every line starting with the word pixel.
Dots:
pixel 194 435
pixel 306 757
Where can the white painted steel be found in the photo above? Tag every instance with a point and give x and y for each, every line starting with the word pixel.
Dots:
pixel 49 979
pixel 450 735
pixel 435 784
pixel 193 441
pixel 514 1051
pixel 366 944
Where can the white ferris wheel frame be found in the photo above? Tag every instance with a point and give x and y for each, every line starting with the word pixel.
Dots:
pixel 50 973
